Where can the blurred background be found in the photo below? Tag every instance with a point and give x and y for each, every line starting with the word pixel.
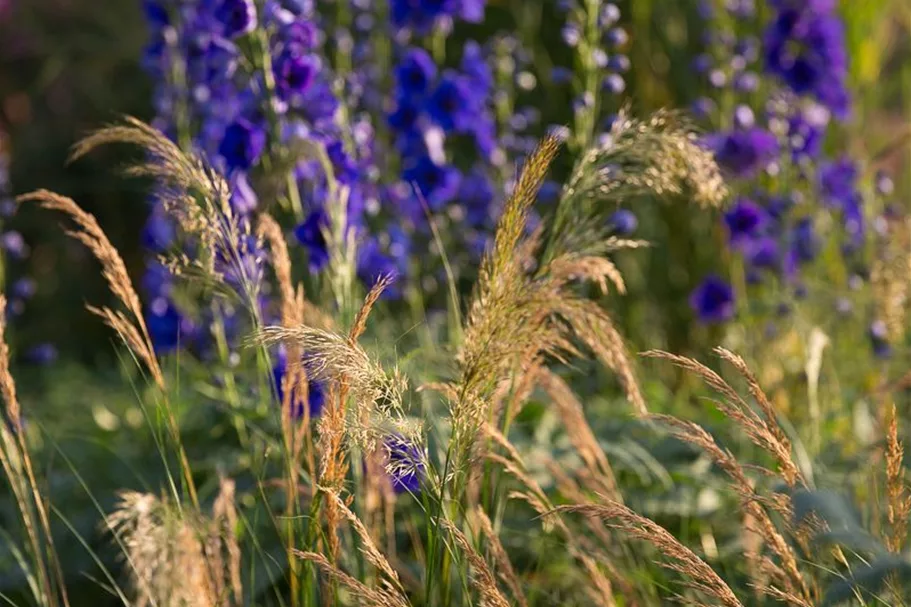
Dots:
pixel 68 67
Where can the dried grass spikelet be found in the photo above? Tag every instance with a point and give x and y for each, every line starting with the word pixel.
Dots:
pixel 131 329
pixel 523 311
pixel 332 358
pixel 579 432
pixel 16 462
pixel 365 595
pixel 224 513
pixel 788 574
pixel 899 499
pixel 501 558
pixel 390 583
pixel 699 575
pixel 175 557
pixel 764 431
pixel 659 157
pixel 890 277
pixel 198 198
pixel 483 577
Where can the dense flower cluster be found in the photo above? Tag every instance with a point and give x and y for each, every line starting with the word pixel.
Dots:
pixel 805 48
pixel 779 143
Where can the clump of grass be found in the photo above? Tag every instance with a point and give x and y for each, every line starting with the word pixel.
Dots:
pixel 179 557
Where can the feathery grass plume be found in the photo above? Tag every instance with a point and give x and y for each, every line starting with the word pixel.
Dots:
pixel 889 277
pixel 765 432
pixel 198 197
pixel 522 311
pixel 330 357
pixel 578 545
pixel 579 432
pixel 174 555
pixel 483 578
pixel 899 500
pixel 390 583
pixel 132 331
pixel 365 595
pixel 16 461
pixel 658 157
pixel 699 575
pixel 786 572
pixel 501 558
pixel 224 512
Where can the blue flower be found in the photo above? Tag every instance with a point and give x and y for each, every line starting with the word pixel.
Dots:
pixel 475 68
pixel 743 152
pixel 310 235
pixel 453 105
pixel 242 144
pixel 294 73
pixel 763 252
pixel 713 300
pixel 158 233
pixel 405 464
pixel 837 182
pixel 415 73
pixel 805 47
pixel 168 328
pixel 744 221
pixel 316 393
pixel 623 222
pixel 157 280
pixel 438 184
pixel 237 17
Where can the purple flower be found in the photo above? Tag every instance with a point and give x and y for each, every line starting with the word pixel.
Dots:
pixel 744 221
pixel 405 464
pixel 475 67
pixel 295 73
pixel 763 252
pixel 415 73
pixel 837 182
pixel 713 300
pixel 168 328
pixel 300 36
pixel 623 222
pixel 237 17
pixel 316 394
pixel 157 280
pixel 438 184
pixel 743 152
pixel 310 235
pixel 158 233
pixel 242 144
pixel 805 47
pixel 453 105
